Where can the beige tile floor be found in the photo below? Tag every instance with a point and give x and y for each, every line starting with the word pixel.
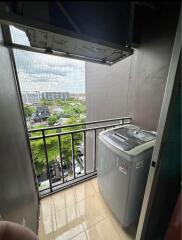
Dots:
pixel 79 213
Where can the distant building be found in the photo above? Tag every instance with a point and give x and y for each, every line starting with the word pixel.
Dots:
pixel 77 96
pixel 42 113
pixel 54 95
pixel 31 97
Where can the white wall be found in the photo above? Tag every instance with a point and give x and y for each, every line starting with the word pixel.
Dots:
pixel 106 90
pixel 134 86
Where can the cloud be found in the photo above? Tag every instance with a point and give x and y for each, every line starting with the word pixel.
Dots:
pixel 40 72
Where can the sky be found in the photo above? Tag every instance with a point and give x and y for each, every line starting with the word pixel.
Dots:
pixel 41 72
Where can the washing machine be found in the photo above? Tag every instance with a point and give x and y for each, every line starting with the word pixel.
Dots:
pixel 124 155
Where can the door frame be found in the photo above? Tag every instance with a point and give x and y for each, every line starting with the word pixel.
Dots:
pixel 169 97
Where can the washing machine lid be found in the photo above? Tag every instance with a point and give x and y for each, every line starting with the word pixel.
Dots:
pixel 128 137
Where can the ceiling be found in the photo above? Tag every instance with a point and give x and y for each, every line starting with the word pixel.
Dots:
pixel 99 31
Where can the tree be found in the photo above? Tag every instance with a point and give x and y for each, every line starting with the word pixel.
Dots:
pixel 28 110
pixel 44 102
pixel 52 120
pixel 38 151
pixel 66 140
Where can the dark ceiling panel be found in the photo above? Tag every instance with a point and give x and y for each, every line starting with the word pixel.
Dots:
pixel 108 21
pixel 102 31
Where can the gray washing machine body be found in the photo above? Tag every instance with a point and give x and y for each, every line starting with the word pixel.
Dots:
pixel 123 164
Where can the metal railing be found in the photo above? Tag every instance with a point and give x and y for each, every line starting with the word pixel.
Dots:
pixel 65 180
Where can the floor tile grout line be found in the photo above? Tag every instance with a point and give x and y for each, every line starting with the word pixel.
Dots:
pixel 94 223
pixel 76 203
pixel 107 217
pixel 91 194
pixel 86 229
pixel 115 227
pixel 80 216
pixel 94 185
pixel 87 197
pixel 54 217
pixel 75 196
pixel 77 235
pixel 105 207
pixel 86 234
pixel 73 203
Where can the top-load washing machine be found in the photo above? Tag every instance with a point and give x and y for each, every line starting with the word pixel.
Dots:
pixel 124 155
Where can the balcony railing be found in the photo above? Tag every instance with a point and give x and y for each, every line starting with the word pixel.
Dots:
pixel 65 158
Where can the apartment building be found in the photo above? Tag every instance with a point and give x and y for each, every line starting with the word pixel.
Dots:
pixel 31 97
pixel 54 95
pixel 78 96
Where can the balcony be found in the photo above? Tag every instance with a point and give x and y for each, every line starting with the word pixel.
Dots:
pixel 71 165
pixel 59 189
pixel 77 210
pixel 80 213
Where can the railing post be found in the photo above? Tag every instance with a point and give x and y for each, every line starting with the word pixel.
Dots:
pixel 46 156
pixel 85 170
pixel 94 130
pixel 95 146
pixel 73 153
pixel 61 158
